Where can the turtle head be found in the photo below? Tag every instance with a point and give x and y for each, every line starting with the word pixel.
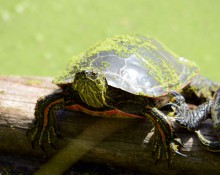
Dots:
pixel 92 87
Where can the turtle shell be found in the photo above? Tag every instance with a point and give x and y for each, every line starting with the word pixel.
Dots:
pixel 136 64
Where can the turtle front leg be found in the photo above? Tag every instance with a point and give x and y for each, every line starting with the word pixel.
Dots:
pixel 165 141
pixel 44 128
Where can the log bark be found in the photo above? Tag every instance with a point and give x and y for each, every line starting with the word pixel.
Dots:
pixel 107 141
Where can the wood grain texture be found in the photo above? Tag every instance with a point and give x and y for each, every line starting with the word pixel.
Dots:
pixel 113 141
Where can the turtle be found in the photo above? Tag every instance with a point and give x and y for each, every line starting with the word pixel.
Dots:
pixel 129 76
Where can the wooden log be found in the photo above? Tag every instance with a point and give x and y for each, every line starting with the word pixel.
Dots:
pixel 112 141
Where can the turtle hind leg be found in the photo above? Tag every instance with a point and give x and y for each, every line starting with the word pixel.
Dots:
pixel 191 119
pixel 184 116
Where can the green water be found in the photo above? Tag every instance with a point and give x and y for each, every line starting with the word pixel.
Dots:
pixel 39 37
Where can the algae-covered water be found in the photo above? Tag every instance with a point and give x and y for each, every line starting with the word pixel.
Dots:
pixel 39 37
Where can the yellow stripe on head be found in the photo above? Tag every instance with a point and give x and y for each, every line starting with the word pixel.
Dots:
pixel 92 87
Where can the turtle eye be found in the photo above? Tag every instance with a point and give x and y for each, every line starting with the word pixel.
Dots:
pixel 84 72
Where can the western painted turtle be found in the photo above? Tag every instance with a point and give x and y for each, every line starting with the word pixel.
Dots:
pixel 127 76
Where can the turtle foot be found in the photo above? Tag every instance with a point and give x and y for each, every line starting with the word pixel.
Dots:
pixel 42 136
pixel 167 147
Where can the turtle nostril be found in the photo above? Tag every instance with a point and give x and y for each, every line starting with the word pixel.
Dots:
pixel 94 73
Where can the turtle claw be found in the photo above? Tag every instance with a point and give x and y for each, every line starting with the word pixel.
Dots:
pixel 42 146
pixel 41 137
pixel 158 155
pixel 180 154
pixel 174 147
pixel 160 148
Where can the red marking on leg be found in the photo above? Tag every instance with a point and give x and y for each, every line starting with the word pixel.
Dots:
pixel 109 113
pixel 46 111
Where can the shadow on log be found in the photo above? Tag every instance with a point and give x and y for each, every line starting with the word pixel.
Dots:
pixel 112 142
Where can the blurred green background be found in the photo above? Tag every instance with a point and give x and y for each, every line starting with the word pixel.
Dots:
pixel 38 37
